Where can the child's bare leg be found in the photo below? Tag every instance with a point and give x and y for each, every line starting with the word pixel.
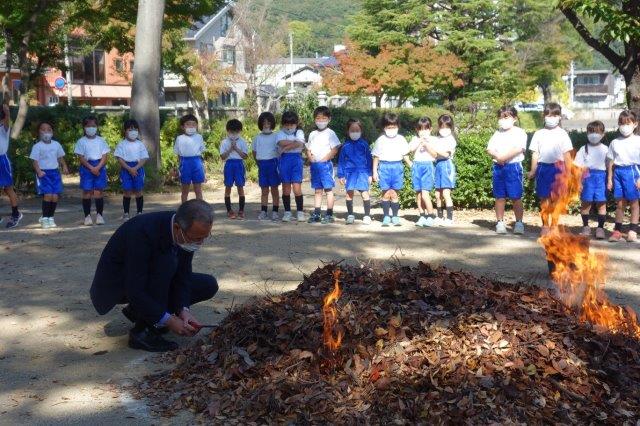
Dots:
pixel 330 199
pixel 275 196
pixel 184 196
pixel 544 206
pixel 286 189
pixel 317 199
pixel 620 207
pixel 635 213
pixel 264 196
pixel 393 196
pixel 419 203
pixel 197 188
pixel 518 209
pixel 426 199
pixel 297 189
pixel 11 193
pixel 499 207
pixel 349 196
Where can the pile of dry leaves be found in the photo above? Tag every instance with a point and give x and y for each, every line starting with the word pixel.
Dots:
pixel 420 346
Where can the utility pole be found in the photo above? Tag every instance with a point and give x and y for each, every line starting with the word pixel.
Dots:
pixel 572 76
pixel 292 91
pixel 67 64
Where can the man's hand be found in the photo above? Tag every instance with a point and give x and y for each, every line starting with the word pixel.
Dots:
pixel 180 327
pixel 188 317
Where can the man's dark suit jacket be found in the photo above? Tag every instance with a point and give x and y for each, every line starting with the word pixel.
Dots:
pixel 141 265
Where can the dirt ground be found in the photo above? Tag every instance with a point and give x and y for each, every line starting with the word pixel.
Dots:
pixel 61 362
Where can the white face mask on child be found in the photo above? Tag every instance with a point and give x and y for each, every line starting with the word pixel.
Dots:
pixel 424 134
pixel 445 132
pixel 321 125
pixel 355 135
pixel 506 123
pixel 626 130
pixel 552 121
pixel 91 131
pixel 46 136
pixel 233 136
pixel 132 135
pixel 190 131
pixel 594 138
pixel 290 131
pixel 391 133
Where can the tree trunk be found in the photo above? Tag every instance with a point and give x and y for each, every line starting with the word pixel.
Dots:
pixel 145 87
pixel 633 88
pixel 546 93
pixel 6 90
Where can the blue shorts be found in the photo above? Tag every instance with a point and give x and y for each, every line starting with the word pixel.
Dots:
pixel 594 186
pixel 445 174
pixel 268 174
pixel 546 177
pixel 6 176
pixel 291 167
pixel 508 181
pixel 129 182
pixel 624 183
pixel 356 180
pixel 422 175
pixel 322 175
pixel 391 175
pixel 191 170
pixel 89 181
pixel 50 183
pixel 234 172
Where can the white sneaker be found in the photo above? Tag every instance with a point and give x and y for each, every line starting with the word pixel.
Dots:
pixel 275 216
pixel 366 220
pixel 420 222
pixel 99 219
pixel 447 223
pixel 301 217
pixel 52 223
pixel 350 219
pixel 125 216
pixel 438 221
pixel 41 220
pixel 44 222
pixel 429 222
pixel 263 215
pixel 88 221
pixel 518 229
pixel 286 217
pixel 501 227
pixel 586 231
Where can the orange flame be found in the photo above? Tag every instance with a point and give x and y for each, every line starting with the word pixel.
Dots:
pixel 330 315
pixel 579 273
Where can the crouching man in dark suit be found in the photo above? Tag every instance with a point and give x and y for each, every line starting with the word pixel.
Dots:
pixel 147 264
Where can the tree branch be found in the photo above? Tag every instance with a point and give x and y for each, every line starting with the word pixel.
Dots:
pixel 615 59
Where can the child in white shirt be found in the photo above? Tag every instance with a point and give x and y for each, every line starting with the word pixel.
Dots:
pixel 6 175
pixel 624 174
pixel 388 152
pixel 507 147
pixel 233 150
pixel 291 142
pixel 132 154
pixel 322 147
pixel 423 172
pixel 92 151
pixel 48 155
pixel 551 148
pixel 189 147
pixel 265 151
pixel 592 157
pixel 442 148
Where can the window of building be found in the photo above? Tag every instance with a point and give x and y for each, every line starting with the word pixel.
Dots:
pixel 89 69
pixel 118 64
pixel 169 97
pixel 229 55
pixel 119 102
pixel 589 80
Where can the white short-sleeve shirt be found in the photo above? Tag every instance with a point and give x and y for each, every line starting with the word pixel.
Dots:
pixel 625 151
pixel 417 146
pixel 47 154
pixel 445 144
pixel 595 159
pixel 240 143
pixel 4 139
pixel 322 142
pixel 297 136
pixel 504 141
pixel 265 146
pixel 91 149
pixel 390 149
pixel 551 144
pixel 189 146
pixel 131 151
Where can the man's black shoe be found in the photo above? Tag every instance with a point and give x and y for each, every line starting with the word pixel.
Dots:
pixel 127 312
pixel 149 340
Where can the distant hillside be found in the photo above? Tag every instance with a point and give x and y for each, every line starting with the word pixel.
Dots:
pixel 327 21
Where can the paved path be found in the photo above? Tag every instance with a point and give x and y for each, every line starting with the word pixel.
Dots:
pixel 61 362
